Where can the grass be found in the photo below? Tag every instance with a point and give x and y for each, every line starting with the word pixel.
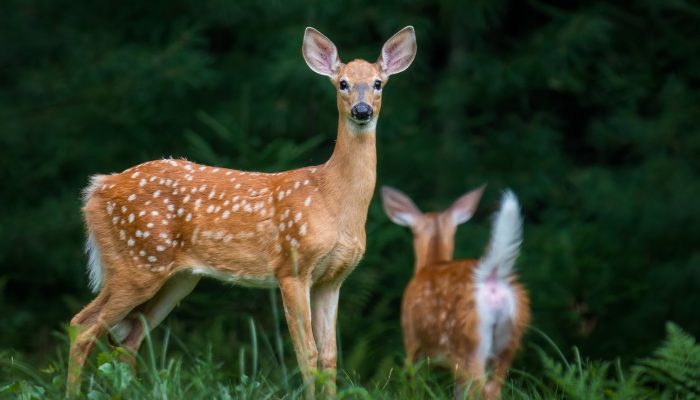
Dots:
pixel 168 370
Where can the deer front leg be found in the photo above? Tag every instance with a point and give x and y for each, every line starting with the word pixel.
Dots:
pixel 324 316
pixel 295 297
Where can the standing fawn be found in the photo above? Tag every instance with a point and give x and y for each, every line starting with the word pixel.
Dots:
pixel 468 315
pixel 156 228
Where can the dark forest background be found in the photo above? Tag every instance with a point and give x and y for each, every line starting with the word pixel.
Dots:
pixel 587 110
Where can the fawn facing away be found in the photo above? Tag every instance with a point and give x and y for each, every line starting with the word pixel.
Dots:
pixel 156 228
pixel 469 315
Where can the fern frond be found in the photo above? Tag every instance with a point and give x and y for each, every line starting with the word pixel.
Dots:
pixel 675 366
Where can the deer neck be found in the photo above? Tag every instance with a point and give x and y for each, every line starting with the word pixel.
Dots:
pixel 433 246
pixel 351 173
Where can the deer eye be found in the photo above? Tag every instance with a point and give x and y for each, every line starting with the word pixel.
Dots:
pixel 343 85
pixel 377 85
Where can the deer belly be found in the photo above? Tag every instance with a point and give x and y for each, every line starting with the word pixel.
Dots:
pixel 496 307
pixel 237 261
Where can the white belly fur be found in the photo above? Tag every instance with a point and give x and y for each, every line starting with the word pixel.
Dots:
pixel 496 307
pixel 241 280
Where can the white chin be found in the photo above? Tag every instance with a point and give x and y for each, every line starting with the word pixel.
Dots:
pixel 361 126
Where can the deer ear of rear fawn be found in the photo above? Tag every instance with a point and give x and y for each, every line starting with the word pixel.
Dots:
pixel 156 228
pixel 468 315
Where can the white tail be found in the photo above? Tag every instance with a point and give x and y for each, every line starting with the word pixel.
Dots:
pixel 506 236
pixel 156 228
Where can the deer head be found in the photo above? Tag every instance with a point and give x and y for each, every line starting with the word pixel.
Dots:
pixel 433 232
pixel 359 83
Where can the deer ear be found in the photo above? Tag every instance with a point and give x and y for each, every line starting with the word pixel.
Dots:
pixel 399 51
pixel 463 208
pixel 399 207
pixel 320 53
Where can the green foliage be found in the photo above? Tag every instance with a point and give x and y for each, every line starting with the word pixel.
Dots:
pixel 674 367
pixel 671 373
pixel 587 110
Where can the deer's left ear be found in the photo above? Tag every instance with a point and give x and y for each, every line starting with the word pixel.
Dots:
pixel 463 208
pixel 399 51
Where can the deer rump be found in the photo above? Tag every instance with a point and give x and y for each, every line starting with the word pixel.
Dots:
pixel 468 304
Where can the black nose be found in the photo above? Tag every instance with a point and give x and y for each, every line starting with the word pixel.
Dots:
pixel 361 111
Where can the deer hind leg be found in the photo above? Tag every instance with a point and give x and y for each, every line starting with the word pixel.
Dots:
pixel 110 306
pixel 295 297
pixel 501 365
pixel 130 331
pixel 87 330
pixel 470 377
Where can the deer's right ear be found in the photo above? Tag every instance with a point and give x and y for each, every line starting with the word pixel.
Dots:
pixel 399 207
pixel 320 53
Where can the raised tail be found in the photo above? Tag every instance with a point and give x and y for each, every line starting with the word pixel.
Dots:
pixel 506 236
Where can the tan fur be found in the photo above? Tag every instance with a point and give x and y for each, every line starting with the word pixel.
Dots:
pixel 162 224
pixel 439 313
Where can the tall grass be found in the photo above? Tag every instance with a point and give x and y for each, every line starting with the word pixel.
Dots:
pixel 167 369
